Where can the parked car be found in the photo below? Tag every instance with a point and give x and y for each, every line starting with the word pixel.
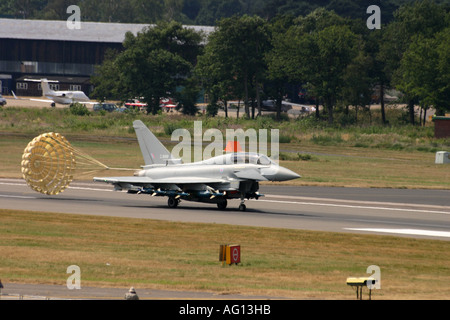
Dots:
pixel 270 105
pixel 2 101
pixel 109 107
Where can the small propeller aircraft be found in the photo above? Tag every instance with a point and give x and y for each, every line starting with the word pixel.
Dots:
pixel 61 97
pixel 233 175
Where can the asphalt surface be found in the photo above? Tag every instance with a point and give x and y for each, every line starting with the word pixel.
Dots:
pixel 18 291
pixel 413 213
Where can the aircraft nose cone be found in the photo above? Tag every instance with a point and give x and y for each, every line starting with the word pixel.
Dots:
pixel 284 174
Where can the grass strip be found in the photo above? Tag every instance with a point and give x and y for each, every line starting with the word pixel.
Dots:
pixel 37 247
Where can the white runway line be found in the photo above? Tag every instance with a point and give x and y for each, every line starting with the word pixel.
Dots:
pixel 356 207
pixel 20 197
pixel 418 232
pixel 360 202
pixel 70 187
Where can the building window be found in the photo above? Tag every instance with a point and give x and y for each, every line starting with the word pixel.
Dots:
pixel 22 86
pixel 53 86
pixel 75 87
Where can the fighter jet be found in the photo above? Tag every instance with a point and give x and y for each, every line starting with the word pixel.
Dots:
pixel 216 180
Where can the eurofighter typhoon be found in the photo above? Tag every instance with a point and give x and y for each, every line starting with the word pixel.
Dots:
pixel 216 180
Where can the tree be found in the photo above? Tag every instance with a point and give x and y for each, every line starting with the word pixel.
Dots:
pixel 107 79
pixel 421 18
pixel 315 51
pixel 417 71
pixel 443 76
pixel 213 11
pixel 154 62
pixel 423 71
pixel 358 82
pixel 235 51
pixel 56 9
pixel 213 73
pixel 275 85
pixel 336 49
pixel 188 96
pixel 22 9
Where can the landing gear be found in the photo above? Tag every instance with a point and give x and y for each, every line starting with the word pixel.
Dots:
pixel 172 202
pixel 222 204
pixel 242 206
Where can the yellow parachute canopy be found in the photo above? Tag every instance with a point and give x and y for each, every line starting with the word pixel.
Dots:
pixel 48 163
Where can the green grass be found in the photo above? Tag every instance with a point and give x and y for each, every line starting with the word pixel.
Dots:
pixel 38 247
pixel 306 131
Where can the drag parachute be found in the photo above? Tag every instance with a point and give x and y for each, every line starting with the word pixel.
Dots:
pixel 49 163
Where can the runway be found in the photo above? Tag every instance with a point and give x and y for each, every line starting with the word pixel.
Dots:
pixel 400 212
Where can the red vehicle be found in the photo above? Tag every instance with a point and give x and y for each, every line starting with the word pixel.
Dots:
pixel 135 103
pixel 167 103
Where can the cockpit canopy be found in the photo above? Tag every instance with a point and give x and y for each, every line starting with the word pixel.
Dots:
pixel 240 157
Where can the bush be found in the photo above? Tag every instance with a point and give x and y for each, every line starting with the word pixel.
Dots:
pixel 212 109
pixel 79 109
pixel 169 127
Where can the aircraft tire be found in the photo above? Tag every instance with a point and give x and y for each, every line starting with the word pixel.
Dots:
pixel 172 202
pixel 242 207
pixel 222 204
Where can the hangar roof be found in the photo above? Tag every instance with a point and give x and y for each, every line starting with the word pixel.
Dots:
pixel 58 30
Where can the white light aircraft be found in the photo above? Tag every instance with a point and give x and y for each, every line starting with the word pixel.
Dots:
pixel 61 97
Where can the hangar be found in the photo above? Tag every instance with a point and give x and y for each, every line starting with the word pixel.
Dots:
pixel 43 48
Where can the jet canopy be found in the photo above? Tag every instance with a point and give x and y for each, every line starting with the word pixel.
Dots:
pixel 239 158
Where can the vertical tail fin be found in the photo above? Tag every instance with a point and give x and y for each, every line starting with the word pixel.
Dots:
pixel 152 149
pixel 46 88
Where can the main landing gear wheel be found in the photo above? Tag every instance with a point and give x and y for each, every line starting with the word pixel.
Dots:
pixel 242 206
pixel 222 204
pixel 172 202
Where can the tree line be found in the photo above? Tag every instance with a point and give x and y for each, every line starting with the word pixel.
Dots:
pixel 199 12
pixel 337 60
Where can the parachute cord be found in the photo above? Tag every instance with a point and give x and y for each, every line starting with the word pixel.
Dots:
pixel 81 154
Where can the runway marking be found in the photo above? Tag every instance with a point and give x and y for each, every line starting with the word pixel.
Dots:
pixel 77 188
pixel 90 189
pixel 405 231
pixel 13 184
pixel 357 201
pixel 20 197
pixel 355 207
